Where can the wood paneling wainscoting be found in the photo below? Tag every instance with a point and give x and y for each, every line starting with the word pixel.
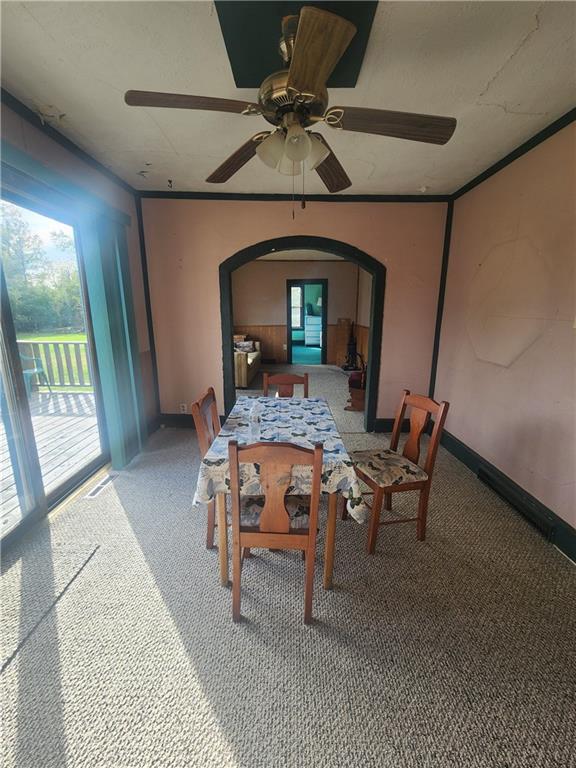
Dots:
pixel 273 338
pixel 362 337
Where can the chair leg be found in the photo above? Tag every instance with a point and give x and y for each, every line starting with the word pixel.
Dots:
pixel 388 501
pixel 309 584
pixel 211 525
pixel 344 504
pixel 375 520
pixel 222 537
pixel 236 575
pixel 46 382
pixel 330 540
pixel 422 513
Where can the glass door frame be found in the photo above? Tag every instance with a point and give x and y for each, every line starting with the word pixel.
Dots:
pixel 20 440
pixel 45 502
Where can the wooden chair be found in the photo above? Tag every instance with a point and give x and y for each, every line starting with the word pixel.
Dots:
pixel 207 423
pixel 284 383
pixel 386 472
pixel 275 520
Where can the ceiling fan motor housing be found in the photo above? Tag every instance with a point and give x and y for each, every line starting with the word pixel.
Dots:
pixel 276 99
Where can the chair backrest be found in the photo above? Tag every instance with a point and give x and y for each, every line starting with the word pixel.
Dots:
pixel 421 409
pixel 29 362
pixel 206 419
pixel 284 383
pixel 276 461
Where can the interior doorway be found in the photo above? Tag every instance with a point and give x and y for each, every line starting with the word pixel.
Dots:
pixel 307 321
pixel 268 334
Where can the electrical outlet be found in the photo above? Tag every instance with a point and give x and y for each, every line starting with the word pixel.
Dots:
pixel 284 347
pixel 183 408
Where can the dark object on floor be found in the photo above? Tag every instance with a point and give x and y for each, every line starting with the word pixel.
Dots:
pixel 352 354
pixel 357 388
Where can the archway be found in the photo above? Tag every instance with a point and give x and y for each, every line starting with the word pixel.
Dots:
pixel 300 242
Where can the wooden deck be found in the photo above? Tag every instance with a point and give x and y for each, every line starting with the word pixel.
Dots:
pixel 67 438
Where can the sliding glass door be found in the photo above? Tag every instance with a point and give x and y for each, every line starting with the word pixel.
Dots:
pixel 19 494
pixel 49 375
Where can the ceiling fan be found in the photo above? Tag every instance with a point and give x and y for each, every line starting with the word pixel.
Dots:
pixel 296 98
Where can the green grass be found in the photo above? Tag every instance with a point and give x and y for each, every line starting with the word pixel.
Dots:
pixel 55 337
pixel 51 336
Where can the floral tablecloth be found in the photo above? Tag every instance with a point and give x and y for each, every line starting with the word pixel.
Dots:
pixel 302 421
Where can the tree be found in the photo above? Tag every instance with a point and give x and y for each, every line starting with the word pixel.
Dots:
pixel 32 308
pixel 67 299
pixel 63 241
pixel 43 296
pixel 23 255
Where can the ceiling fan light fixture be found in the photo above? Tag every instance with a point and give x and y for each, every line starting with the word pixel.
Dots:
pixel 288 167
pixel 318 152
pixel 271 150
pixel 298 144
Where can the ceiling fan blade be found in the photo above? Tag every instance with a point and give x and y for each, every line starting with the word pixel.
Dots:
pixel 237 159
pixel 183 101
pixel 330 171
pixel 321 40
pixel 431 129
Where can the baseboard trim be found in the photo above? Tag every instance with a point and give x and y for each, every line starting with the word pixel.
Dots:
pixel 183 420
pixel 179 420
pixel 153 425
pixel 556 530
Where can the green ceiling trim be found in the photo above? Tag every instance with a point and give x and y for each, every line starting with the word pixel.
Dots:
pixel 79 200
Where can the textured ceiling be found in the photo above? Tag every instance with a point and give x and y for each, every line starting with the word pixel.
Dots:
pixel 504 70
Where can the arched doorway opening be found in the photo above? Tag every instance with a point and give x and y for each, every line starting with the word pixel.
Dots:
pixel 298 242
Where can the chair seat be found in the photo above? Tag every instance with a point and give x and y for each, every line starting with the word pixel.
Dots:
pixel 298 508
pixel 385 467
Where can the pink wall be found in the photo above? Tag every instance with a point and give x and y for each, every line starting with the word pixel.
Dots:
pixel 364 298
pixel 187 240
pixel 507 352
pixel 259 289
pixel 29 139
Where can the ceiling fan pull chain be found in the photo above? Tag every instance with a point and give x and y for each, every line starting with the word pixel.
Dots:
pixel 303 203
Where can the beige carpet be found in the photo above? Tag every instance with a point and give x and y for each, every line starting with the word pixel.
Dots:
pixel 120 651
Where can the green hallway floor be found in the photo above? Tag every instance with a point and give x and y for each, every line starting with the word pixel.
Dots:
pixel 302 355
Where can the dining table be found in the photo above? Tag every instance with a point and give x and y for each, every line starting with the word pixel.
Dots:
pixel 301 421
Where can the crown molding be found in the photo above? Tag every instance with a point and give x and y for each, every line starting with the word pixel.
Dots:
pixel 167 195
pixel 538 138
